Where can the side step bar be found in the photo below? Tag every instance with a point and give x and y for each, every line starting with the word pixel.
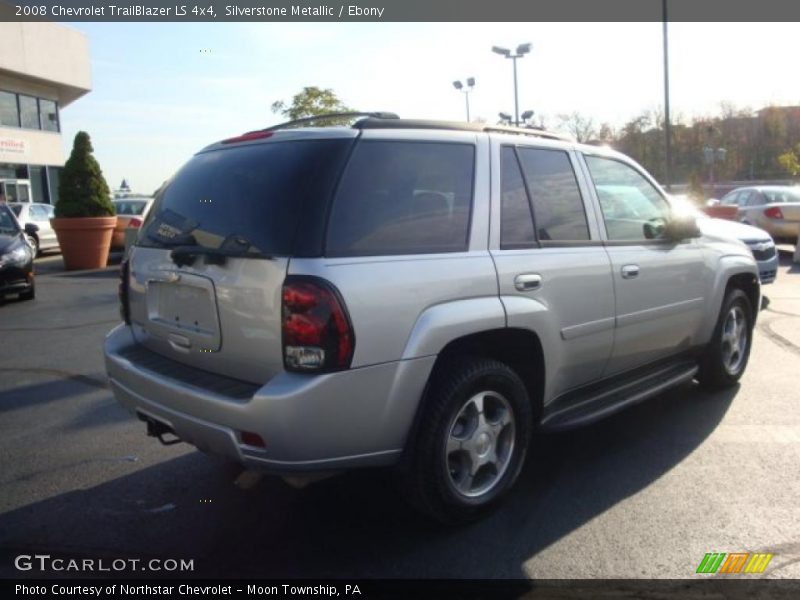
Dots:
pixel 576 409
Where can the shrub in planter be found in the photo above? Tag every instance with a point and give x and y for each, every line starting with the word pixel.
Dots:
pixel 85 216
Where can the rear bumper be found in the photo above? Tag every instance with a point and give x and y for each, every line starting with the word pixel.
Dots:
pixel 354 418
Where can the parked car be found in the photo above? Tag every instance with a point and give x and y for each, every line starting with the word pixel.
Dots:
pixel 417 294
pixel 16 257
pixel 759 241
pixel 773 208
pixel 131 213
pixel 39 214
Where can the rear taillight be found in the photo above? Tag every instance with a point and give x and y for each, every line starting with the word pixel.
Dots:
pixel 246 137
pixel 135 223
pixel 773 212
pixel 124 304
pixel 317 333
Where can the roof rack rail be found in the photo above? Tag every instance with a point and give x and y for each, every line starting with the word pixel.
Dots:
pixel 534 131
pixel 371 123
pixel 329 116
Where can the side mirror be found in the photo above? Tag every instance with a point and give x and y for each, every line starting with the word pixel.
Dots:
pixel 31 228
pixel 682 227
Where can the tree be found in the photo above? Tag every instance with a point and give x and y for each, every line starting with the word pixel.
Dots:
pixel 83 191
pixel 580 127
pixel 790 161
pixel 310 102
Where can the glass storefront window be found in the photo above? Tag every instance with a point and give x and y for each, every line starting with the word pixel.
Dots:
pixel 9 113
pixel 48 115
pixel 29 112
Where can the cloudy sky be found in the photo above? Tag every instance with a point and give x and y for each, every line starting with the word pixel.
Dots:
pixel 163 91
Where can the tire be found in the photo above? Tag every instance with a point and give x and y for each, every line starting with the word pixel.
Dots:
pixel 436 474
pixel 725 358
pixel 33 242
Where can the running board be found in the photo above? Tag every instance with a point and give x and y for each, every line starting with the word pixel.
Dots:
pixel 583 407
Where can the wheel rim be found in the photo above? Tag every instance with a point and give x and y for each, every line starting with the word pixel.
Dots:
pixel 734 340
pixel 480 444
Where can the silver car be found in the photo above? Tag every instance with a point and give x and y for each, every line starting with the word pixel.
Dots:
pixel 773 208
pixel 416 294
pixel 39 214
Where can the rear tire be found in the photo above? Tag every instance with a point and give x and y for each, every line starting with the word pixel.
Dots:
pixel 471 440
pixel 725 358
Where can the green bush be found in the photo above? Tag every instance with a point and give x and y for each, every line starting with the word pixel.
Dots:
pixel 83 191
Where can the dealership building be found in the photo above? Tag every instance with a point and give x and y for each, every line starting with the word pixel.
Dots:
pixel 43 68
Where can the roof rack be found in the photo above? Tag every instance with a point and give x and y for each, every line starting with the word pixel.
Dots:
pixel 388 120
pixel 379 123
pixel 330 116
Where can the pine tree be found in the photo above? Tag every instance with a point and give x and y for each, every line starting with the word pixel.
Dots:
pixel 83 192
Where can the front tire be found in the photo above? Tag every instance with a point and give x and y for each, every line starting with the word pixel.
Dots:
pixel 471 440
pixel 725 358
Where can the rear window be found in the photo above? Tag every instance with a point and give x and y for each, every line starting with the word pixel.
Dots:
pixel 401 197
pixel 256 199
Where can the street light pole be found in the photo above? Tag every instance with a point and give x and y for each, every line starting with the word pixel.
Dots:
pixel 521 51
pixel 466 89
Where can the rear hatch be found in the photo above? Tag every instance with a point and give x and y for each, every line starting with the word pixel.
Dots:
pixel 210 260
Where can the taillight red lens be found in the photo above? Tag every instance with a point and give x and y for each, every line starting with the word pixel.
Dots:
pixel 317 334
pixel 773 212
pixel 135 223
pixel 122 291
pixel 246 137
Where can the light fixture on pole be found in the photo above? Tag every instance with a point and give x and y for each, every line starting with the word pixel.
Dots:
pixel 528 114
pixel 470 85
pixel 504 118
pixel 521 51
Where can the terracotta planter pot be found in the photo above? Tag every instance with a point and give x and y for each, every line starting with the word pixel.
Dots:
pixel 118 239
pixel 85 241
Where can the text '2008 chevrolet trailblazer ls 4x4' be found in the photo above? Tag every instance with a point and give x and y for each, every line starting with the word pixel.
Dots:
pixel 420 294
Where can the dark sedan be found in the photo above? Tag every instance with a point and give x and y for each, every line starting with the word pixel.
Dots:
pixel 16 258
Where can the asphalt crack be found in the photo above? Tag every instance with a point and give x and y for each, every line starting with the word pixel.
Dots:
pixel 94 382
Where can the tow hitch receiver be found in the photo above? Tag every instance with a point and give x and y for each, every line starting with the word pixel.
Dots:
pixel 157 429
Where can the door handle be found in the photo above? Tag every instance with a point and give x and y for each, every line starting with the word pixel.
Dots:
pixel 630 271
pixel 528 282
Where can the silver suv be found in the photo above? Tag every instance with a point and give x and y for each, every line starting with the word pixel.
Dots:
pixel 420 294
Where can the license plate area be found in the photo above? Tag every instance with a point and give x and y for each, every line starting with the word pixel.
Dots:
pixel 184 310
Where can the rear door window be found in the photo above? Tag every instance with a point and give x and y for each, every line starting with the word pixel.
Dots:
pixel 250 200
pixel 516 219
pixel 558 209
pixel 400 197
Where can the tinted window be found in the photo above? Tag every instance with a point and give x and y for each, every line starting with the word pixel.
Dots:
pixel 49 115
pixel 8 224
pixel 557 205
pixel 9 114
pixel 246 199
pixel 516 222
pixel 403 198
pixel 16 208
pixel 29 112
pixel 632 208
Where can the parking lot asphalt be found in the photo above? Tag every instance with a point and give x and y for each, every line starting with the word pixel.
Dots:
pixel 645 493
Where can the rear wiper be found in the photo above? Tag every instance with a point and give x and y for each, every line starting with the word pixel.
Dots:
pixel 186 255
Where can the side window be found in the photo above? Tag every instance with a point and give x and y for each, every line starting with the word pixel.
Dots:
pixel 730 199
pixel 632 208
pixel 516 221
pixel 744 198
pixel 756 199
pixel 400 197
pixel 558 209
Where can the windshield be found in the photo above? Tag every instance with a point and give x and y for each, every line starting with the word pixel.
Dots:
pixel 782 196
pixel 246 200
pixel 16 209
pixel 8 224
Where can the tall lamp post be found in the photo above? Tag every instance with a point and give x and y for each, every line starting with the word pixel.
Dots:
pixel 667 124
pixel 521 51
pixel 466 89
